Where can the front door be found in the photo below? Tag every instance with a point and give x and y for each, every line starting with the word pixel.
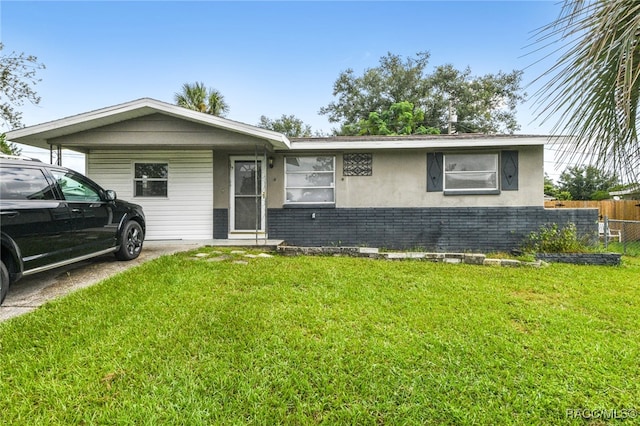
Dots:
pixel 247 204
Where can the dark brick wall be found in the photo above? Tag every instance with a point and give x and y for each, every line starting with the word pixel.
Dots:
pixel 438 229
pixel 603 259
pixel 220 224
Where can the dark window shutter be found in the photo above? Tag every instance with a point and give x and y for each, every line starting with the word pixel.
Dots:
pixel 509 170
pixel 434 172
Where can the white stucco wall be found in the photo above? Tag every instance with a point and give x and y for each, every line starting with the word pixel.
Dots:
pixel 399 179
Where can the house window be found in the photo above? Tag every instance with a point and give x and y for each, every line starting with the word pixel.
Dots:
pixel 151 179
pixel 310 180
pixel 471 173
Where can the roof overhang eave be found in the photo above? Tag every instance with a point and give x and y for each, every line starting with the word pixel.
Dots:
pixel 417 144
pixel 39 135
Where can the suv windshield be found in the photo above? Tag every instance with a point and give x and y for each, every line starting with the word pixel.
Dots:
pixel 74 188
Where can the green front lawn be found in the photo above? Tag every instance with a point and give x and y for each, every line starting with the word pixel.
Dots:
pixel 225 339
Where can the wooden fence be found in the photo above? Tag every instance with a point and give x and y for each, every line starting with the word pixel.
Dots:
pixel 615 209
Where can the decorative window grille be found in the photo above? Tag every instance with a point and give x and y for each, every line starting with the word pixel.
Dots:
pixel 358 164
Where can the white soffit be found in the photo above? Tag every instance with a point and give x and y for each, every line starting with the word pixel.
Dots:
pixel 443 142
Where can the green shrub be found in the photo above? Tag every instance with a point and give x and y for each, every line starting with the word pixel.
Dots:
pixel 553 239
pixel 600 195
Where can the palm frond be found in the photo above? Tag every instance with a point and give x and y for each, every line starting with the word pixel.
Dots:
pixel 594 87
pixel 197 97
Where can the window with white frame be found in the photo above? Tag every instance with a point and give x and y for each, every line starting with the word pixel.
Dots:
pixel 476 172
pixel 310 180
pixel 151 179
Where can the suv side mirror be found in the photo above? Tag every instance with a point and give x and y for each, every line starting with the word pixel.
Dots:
pixel 111 195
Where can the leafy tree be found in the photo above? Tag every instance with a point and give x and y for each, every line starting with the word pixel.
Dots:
pixel 289 125
pixel 595 85
pixel 587 182
pixel 482 104
pixel 197 97
pixel 487 104
pixel 377 89
pixel 8 147
pixel 550 187
pixel 563 195
pixel 400 119
pixel 17 80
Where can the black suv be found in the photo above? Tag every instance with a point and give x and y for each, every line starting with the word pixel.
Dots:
pixel 51 216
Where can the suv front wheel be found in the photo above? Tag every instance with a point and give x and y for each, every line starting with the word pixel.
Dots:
pixel 4 281
pixel 131 240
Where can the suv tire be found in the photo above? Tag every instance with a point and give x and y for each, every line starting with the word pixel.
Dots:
pixel 131 240
pixel 4 281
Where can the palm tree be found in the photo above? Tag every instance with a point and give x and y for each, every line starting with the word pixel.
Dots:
pixel 197 97
pixel 595 86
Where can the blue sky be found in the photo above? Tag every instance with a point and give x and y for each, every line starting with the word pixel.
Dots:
pixel 266 58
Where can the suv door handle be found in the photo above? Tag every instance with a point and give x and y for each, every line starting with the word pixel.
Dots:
pixel 10 213
pixel 78 211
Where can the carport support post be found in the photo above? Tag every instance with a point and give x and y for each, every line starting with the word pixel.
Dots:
pixel 58 155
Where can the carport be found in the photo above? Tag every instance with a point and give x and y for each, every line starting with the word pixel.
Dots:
pixel 197 176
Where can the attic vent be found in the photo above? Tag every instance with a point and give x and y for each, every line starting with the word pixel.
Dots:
pixel 357 164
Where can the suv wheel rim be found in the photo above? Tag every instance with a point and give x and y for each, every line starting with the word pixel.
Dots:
pixel 134 242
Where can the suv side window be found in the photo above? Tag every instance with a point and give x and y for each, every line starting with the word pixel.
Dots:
pixel 75 188
pixel 18 183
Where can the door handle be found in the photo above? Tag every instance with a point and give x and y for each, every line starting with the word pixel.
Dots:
pixel 10 213
pixel 77 211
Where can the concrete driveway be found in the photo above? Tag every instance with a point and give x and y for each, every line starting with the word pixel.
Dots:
pixel 34 290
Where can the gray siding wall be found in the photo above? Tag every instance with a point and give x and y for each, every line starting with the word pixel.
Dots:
pixel 438 229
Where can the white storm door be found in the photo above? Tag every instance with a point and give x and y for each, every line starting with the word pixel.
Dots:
pixel 247 204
